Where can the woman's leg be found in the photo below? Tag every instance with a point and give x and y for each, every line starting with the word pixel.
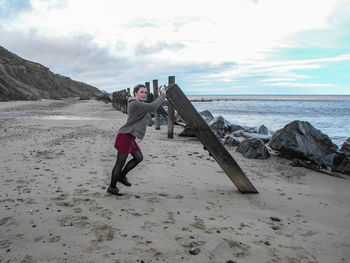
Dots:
pixel 138 157
pixel 117 169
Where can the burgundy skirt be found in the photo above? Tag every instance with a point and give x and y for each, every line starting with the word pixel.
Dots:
pixel 126 143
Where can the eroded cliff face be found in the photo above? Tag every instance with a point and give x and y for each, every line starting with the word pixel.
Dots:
pixel 21 79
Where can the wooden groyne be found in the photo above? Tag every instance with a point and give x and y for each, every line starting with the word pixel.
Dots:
pixel 176 99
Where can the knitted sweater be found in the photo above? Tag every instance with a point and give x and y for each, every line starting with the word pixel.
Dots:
pixel 137 116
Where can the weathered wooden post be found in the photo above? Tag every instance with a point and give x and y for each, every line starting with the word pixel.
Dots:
pixel 171 112
pixel 203 132
pixel 155 93
pixel 114 100
pixel 124 101
pixel 149 96
pixel 119 100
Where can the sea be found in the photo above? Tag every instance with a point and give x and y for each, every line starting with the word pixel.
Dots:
pixel 330 114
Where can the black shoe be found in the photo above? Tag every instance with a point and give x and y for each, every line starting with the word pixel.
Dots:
pixel 114 191
pixel 124 181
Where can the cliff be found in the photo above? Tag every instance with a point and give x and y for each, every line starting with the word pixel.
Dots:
pixel 21 79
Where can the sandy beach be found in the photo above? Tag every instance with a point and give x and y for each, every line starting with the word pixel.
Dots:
pixel 55 165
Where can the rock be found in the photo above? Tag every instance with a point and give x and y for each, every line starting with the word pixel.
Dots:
pixel 299 139
pixel 346 147
pixel 275 218
pixel 219 125
pixel 238 133
pixel 206 115
pixel 341 161
pixel 253 148
pixel 187 132
pixel 231 141
pixel 194 250
pixel 104 97
pixel 263 130
pixel 178 119
pixel 251 130
pixel 235 127
pixel 247 135
pixel 84 97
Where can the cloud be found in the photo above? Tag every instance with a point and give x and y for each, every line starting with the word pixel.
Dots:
pixel 146 48
pixel 77 57
pixel 10 8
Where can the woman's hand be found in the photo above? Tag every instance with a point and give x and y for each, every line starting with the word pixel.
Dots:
pixel 162 89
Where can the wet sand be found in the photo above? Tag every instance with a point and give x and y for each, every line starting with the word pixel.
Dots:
pixel 55 165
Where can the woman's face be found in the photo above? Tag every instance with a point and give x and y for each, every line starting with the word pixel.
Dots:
pixel 141 94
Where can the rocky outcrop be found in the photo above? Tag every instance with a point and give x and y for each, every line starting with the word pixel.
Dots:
pixel 299 139
pixel 21 79
pixel 341 161
pixel 253 148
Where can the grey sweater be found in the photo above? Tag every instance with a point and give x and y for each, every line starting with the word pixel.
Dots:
pixel 137 116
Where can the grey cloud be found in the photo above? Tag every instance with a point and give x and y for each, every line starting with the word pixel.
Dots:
pixel 76 57
pixel 80 59
pixel 143 48
pixel 10 8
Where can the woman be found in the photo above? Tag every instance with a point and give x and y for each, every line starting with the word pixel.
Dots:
pixel 135 127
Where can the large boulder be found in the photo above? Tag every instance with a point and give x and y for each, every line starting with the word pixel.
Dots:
pixel 263 137
pixel 187 132
pixel 341 161
pixel 299 139
pixel 219 125
pixel 230 141
pixel 206 115
pixel 253 148
pixel 235 127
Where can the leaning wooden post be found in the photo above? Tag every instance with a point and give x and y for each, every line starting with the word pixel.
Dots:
pixel 203 132
pixel 155 93
pixel 171 112
pixel 149 115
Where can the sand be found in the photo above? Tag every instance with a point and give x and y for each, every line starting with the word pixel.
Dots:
pixel 55 165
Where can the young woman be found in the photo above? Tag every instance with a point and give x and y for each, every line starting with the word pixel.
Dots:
pixel 135 127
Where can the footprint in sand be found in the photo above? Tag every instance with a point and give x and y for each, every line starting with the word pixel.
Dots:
pixel 103 232
pixel 8 221
pixel 76 221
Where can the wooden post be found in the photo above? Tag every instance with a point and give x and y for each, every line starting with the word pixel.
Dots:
pixel 149 115
pixel 155 93
pixel 171 112
pixel 124 101
pixel 203 132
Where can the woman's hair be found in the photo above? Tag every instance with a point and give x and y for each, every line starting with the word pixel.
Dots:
pixel 139 86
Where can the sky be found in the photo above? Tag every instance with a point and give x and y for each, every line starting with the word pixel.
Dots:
pixel 219 47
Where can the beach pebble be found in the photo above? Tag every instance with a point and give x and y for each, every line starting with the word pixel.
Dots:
pixel 275 218
pixel 230 261
pixel 275 227
pixel 194 250
pixel 267 243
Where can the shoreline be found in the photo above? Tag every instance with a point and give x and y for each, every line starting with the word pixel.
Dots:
pixel 54 205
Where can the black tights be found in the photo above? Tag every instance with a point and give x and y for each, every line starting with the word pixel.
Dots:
pixel 118 171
